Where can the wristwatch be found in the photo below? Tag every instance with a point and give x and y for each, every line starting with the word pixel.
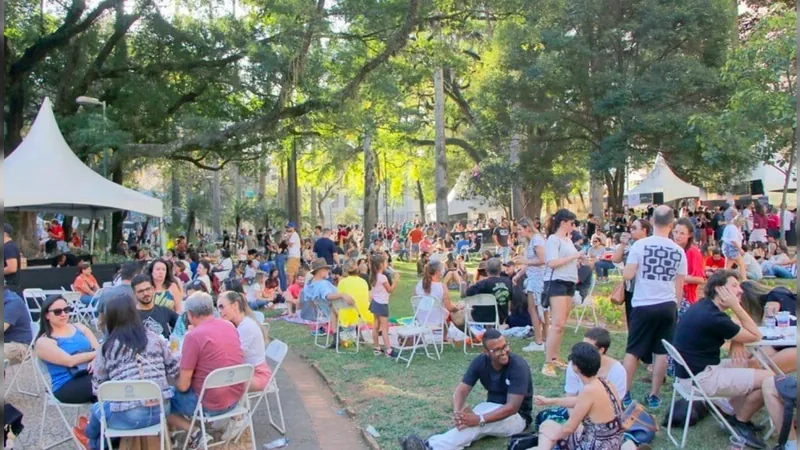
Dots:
pixel 482 422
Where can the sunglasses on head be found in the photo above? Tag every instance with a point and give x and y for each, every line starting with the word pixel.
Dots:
pixel 59 311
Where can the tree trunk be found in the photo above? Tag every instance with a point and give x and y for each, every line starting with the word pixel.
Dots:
pixel 282 200
pixel 216 205
pixel 784 194
pixel 117 176
pixel 313 206
pixel 190 219
pixel 370 185
pixel 293 192
pixel 421 199
pixel 262 179
pixel 175 193
pixel 516 191
pixel 15 118
pixel 616 188
pixel 320 212
pixel 596 197
pixel 440 153
pixel 67 226
pixel 533 195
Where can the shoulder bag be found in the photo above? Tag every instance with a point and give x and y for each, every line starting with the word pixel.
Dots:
pixel 618 294
pixel 545 301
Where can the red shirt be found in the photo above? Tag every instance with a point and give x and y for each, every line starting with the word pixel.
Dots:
pixel 773 222
pixel 57 232
pixel 712 263
pixel 696 268
pixel 212 345
pixel 342 236
pixel 416 236
pixel 295 290
pixel 76 241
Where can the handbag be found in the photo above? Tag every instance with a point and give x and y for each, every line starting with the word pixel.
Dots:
pixel 617 296
pixel 523 441
pixel 640 426
pixel 546 293
pixel 79 370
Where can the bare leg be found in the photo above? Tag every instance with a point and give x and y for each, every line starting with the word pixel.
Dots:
pixel 546 324
pixel 548 428
pixel 376 327
pixel 755 399
pixel 774 405
pixel 559 307
pixel 384 322
pixel 659 371
pixel 533 310
pixel 786 359
pixel 630 363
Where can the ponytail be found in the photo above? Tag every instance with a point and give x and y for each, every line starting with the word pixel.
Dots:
pixel 431 269
pixel 375 266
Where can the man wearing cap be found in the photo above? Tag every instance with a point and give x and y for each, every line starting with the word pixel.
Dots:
pixel 293 252
pixel 11 258
pixel 322 292
pixel 494 284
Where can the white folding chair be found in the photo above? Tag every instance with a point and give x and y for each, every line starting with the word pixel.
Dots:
pixel 50 400
pixel 482 300
pixel 259 316
pixel 587 303
pixel 224 377
pixel 341 306
pixel 418 332
pixel 276 353
pixel 322 320
pixel 436 319
pixel 83 313
pixel 34 297
pixel 28 358
pixel 696 393
pixel 129 391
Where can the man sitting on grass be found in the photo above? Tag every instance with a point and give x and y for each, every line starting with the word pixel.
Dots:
pixel 507 410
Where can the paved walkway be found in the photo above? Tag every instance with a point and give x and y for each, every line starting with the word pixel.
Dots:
pixel 314 420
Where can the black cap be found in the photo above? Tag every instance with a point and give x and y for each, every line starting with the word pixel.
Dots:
pixel 8 228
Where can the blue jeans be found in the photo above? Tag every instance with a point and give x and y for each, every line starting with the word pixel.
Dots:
pixel 256 305
pixel 504 251
pixel 184 403
pixel 602 268
pixel 777 271
pixel 132 419
pixel 280 263
pixel 86 299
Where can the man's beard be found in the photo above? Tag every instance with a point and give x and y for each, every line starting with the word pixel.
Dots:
pixel 146 302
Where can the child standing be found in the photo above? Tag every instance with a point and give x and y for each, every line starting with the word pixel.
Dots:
pixel 380 289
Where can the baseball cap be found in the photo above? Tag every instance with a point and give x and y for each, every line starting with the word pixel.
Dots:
pixel 8 228
pixel 291 225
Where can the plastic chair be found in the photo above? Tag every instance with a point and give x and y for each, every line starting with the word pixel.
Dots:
pixel 28 358
pixel 84 313
pixel 436 320
pixel 35 296
pixel 418 331
pixel 696 393
pixel 587 303
pixel 134 390
pixel 224 377
pixel 276 353
pixel 478 300
pixel 322 320
pixel 51 400
pixel 341 306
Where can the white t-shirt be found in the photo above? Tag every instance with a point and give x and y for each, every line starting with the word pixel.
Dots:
pixel 437 290
pixel 252 341
pixel 556 248
pixel 748 219
pixel 227 266
pixel 732 235
pixel 752 266
pixel 535 272
pixel 786 222
pixel 294 245
pixel 206 281
pixel 616 376
pixel 659 261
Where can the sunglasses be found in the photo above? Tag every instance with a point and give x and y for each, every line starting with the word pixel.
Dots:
pixel 59 311
pixel 502 349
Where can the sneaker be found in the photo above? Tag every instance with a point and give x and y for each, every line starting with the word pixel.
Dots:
pixel 413 442
pixel 549 370
pixel 391 354
pixel 746 432
pixel 534 347
pixel 319 332
pixel 80 435
pixel 652 401
pixel 196 440
pixel 626 401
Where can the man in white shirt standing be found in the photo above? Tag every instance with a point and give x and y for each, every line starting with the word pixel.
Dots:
pixel 293 252
pixel 659 266
pixel 747 227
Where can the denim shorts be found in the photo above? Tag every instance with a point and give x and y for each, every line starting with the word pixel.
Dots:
pixel 184 403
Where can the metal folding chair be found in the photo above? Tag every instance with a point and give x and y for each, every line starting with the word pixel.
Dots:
pixel 133 390
pixel 470 303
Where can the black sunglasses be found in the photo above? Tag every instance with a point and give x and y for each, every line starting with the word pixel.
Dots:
pixel 59 311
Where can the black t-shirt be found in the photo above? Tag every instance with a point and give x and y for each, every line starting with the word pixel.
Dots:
pixel 325 248
pixel 700 334
pixel 620 226
pixel 591 228
pixel 501 288
pixel 502 236
pixel 159 320
pixel 783 296
pixel 514 378
pixel 11 251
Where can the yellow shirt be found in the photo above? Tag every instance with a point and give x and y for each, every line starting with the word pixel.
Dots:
pixel 357 288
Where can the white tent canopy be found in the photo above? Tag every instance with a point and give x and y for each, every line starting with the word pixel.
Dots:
pixel 663 180
pixel 457 206
pixel 772 178
pixel 43 174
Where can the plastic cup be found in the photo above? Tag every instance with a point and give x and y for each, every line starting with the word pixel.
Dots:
pixel 783 319
pixel 736 443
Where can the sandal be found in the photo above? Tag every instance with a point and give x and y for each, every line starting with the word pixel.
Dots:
pixel 377 351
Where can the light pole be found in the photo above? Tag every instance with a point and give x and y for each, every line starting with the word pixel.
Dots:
pixel 84 100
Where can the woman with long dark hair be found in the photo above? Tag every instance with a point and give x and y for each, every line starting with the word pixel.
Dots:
pixel 560 278
pixel 67 351
pixel 203 273
pixel 130 352
pixel 168 290
pixel 696 268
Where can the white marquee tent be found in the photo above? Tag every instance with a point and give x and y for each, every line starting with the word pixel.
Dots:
pixel 43 174
pixel 662 180
pixel 772 178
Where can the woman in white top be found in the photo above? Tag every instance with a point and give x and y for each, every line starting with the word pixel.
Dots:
pixel 431 285
pixel 203 269
pixel 233 307
pixel 732 245
pixel 225 266
pixel 560 278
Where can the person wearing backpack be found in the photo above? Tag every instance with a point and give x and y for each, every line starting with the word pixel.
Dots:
pixel 780 399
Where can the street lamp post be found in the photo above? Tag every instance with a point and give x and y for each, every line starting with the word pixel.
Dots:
pixel 84 100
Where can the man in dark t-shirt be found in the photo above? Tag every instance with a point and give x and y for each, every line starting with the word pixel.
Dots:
pixel 501 235
pixel 158 319
pixel 701 333
pixel 509 400
pixel 11 258
pixel 497 285
pixel 325 247
pixel 17 332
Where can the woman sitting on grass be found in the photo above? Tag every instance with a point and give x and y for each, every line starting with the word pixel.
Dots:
pixel 595 422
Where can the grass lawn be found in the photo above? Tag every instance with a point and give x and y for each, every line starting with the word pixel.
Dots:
pixel 399 401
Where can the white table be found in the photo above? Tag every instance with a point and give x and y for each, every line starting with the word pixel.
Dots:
pixel 788 339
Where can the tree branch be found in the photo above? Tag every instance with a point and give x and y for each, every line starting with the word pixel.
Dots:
pixel 475 154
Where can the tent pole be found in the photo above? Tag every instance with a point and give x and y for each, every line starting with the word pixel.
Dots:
pixel 92 226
